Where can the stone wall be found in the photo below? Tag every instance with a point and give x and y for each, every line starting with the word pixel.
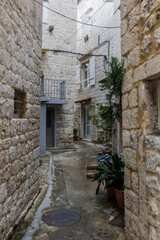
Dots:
pixel 141 52
pixel 20 55
pixel 102 14
pixel 61 66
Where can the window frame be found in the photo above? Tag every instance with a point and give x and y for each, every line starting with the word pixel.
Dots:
pixel 19 104
pixel 45 12
pixel 85 72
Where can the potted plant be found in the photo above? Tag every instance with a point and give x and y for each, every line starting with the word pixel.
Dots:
pixel 111 174
pixel 75 137
pixel 101 176
pixel 116 179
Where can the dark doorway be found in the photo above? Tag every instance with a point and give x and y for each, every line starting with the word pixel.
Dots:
pixel 50 127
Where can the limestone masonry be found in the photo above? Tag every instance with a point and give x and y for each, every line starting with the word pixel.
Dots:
pixel 60 67
pixel 20 59
pixel 101 41
pixel 141 121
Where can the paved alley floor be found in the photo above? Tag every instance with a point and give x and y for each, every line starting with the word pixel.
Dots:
pixel 70 189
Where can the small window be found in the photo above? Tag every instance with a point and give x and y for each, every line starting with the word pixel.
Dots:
pixel 45 12
pixel 19 104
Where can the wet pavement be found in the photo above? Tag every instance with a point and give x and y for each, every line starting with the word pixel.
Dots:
pixel 69 189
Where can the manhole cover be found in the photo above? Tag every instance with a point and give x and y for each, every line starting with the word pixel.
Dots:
pixel 61 217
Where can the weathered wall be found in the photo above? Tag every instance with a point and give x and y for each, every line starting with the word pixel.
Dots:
pixel 20 54
pixel 103 14
pixel 62 66
pixel 140 50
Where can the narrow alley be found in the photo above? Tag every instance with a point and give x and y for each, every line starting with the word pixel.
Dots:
pixel 72 190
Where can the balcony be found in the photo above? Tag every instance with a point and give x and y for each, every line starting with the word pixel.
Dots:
pixel 53 91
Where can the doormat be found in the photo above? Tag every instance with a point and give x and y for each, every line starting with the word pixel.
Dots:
pixel 118 221
pixel 61 217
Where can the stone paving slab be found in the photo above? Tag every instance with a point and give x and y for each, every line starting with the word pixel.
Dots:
pixel 72 190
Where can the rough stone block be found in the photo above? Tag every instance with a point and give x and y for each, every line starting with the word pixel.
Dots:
pixel 132 228
pixel 126 138
pixel 130 158
pixel 132 202
pixel 125 101
pixel 127 82
pixel 153 186
pixel 134 17
pixel 127 6
pixel 146 45
pixel 140 73
pixel 134 57
pixel 133 98
pixel 127 178
pixel 130 40
pixel 130 119
pixel 124 25
pixel 150 161
pixel 3 192
pixel 135 182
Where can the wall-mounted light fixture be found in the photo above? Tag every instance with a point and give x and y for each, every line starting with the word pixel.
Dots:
pixel 51 28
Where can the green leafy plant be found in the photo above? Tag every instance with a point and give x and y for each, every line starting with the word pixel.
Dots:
pixel 112 109
pixel 116 179
pixel 75 130
pixel 104 170
pixel 110 174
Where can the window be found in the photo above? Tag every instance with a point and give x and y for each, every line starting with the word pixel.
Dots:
pixel 45 12
pixel 19 104
pixel 86 74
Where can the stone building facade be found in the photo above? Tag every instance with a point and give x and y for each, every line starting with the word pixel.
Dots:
pixel 59 70
pixel 20 56
pixel 90 69
pixel 141 117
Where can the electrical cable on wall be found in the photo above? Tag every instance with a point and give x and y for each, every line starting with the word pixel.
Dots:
pixel 74 20
pixel 75 53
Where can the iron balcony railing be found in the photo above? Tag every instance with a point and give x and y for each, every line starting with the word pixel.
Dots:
pixel 53 89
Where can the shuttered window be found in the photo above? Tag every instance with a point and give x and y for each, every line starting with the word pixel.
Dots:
pixel 85 73
pixel 92 71
pixel 78 76
pixel 45 12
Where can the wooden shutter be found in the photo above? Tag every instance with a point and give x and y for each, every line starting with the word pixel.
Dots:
pixel 92 71
pixel 78 76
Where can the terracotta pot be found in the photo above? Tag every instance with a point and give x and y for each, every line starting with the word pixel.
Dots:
pixel 111 192
pixel 119 198
pixel 75 138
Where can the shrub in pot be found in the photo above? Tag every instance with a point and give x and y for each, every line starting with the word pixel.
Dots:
pixel 101 176
pixel 111 174
pixel 116 179
pixel 75 137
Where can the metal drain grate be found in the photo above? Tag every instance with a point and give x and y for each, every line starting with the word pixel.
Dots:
pixel 61 217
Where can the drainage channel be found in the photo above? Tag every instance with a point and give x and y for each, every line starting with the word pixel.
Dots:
pixel 44 204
